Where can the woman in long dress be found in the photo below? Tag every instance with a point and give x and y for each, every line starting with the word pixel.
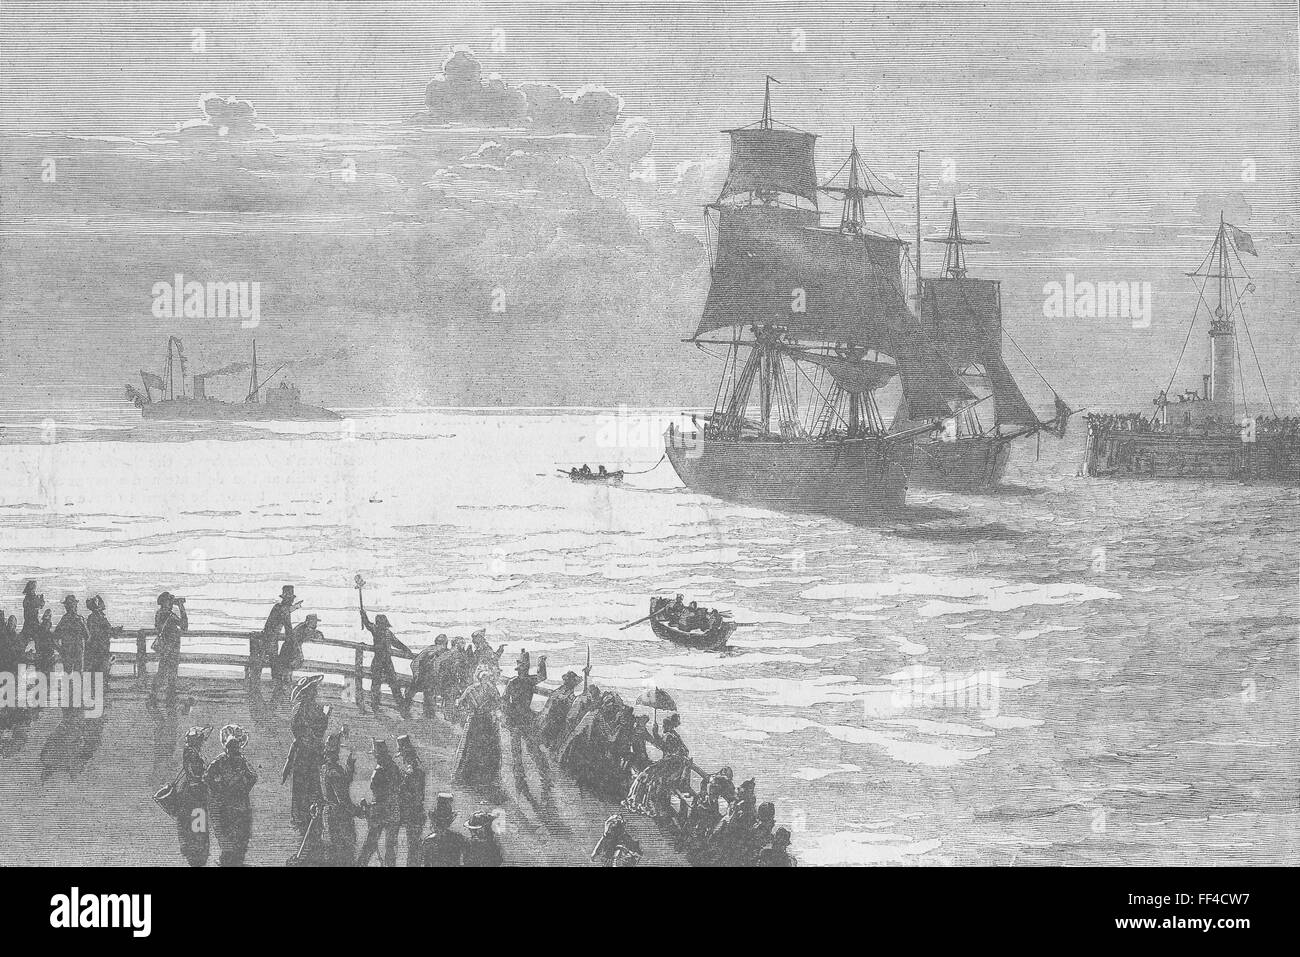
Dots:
pixel 652 790
pixel 478 759
pixel 230 809
pixel 191 795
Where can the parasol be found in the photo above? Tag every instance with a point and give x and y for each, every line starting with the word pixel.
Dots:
pixel 658 699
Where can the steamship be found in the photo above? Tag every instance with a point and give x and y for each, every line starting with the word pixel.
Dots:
pixel 166 396
pixel 1210 432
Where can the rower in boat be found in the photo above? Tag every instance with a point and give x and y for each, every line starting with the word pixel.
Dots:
pixel 689 625
pixel 601 475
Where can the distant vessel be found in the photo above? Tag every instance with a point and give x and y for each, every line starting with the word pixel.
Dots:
pixel 1204 433
pixel 963 316
pixel 281 403
pixel 828 325
pixel 602 477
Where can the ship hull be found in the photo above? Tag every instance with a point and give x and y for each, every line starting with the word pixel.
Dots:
pixel 850 479
pixel 974 463
pixel 209 410
pixel 1118 453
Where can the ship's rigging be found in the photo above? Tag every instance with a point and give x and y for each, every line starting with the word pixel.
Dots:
pixel 822 310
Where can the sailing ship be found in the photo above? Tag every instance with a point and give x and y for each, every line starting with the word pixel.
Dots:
pixel 173 401
pixel 1205 433
pixel 963 316
pixel 820 314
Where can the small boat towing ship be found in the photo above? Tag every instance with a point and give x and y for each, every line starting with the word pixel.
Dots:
pixel 689 625
pixel 600 476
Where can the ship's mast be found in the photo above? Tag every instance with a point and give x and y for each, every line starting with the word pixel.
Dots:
pixel 918 231
pixel 252 382
pixel 954 257
pixel 855 192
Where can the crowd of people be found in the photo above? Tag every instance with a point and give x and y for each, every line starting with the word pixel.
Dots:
pixel 1118 422
pixel 77 643
pixel 1286 426
pixel 591 734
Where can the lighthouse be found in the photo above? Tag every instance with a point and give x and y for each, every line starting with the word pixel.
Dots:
pixel 1223 336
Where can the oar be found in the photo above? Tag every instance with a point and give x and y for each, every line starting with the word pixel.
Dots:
pixel 653 614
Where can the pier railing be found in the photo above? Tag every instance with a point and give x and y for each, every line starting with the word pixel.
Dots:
pixel 355 672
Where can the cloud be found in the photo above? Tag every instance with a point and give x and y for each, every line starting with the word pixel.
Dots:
pixel 592 109
pixel 463 95
pixel 225 117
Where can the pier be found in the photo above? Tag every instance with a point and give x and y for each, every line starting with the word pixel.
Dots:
pixel 84 785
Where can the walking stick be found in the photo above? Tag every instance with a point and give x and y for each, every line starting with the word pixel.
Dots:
pixel 297 860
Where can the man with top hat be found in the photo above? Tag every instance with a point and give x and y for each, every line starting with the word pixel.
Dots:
pixel 71 636
pixel 230 781
pixel 383 812
pixel 410 801
pixel 290 657
pixel 443 847
pixel 170 622
pixel 309 723
pixel 263 648
pixel 482 849
pixel 100 641
pixel 383 644
pixel 554 716
pixel 521 722
pixel 338 812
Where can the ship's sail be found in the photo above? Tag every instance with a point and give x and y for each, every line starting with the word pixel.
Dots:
pixel 820 284
pixel 929 385
pixel 772 266
pixel 771 161
pixel 963 317
pixel 850 374
pixel 1010 405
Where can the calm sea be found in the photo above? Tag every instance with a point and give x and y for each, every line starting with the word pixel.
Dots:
pixel 1066 671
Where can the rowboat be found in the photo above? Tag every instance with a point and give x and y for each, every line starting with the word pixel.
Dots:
pixel 600 478
pixel 713 639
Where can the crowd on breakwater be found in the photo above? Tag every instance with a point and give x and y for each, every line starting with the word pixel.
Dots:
pixel 590 735
pixel 1285 426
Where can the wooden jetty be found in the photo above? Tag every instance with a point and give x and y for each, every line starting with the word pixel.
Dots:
pixel 79 789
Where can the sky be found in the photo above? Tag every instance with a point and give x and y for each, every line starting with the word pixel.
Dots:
pixel 478 204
